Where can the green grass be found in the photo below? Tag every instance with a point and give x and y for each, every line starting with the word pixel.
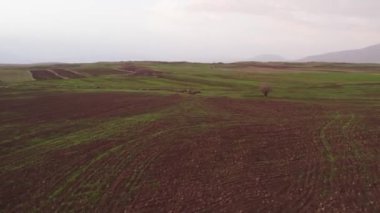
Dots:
pixel 216 81
pixel 14 75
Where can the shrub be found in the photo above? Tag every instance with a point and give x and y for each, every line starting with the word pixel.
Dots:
pixel 265 89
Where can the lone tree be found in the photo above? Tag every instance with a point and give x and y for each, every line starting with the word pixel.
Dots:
pixel 265 89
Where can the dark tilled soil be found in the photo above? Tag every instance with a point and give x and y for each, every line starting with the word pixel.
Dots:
pixel 67 73
pixel 44 75
pixel 74 106
pixel 100 71
pixel 208 155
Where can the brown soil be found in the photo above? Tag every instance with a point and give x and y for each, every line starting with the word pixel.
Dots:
pixel 208 155
pixel 260 165
pixel 66 106
pixel 100 71
pixel 44 75
pixel 67 73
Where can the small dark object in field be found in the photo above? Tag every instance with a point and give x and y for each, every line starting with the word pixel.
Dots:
pixel 140 71
pixel 194 92
pixel 265 89
pixel 190 91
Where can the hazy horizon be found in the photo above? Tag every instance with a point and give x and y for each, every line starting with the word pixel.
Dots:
pixel 37 31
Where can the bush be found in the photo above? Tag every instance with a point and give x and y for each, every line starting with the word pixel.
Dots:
pixel 265 89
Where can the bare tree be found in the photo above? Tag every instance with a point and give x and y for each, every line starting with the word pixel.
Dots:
pixel 265 89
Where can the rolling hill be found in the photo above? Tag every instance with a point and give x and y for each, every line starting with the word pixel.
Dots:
pixel 369 54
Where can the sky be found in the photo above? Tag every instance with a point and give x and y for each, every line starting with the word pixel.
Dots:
pixel 33 31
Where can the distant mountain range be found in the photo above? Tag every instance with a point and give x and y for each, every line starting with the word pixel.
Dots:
pixel 369 54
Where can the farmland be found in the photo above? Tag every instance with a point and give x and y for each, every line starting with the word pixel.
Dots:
pixel 129 136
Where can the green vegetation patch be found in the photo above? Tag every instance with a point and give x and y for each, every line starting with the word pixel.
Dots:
pixel 15 75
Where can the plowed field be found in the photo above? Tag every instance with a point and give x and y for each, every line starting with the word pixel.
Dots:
pixel 67 73
pixel 120 152
pixel 101 71
pixel 44 75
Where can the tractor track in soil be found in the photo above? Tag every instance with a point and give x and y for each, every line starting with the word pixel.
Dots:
pixel 346 170
pixel 208 155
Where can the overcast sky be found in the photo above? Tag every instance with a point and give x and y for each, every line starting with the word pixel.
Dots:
pixel 192 30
